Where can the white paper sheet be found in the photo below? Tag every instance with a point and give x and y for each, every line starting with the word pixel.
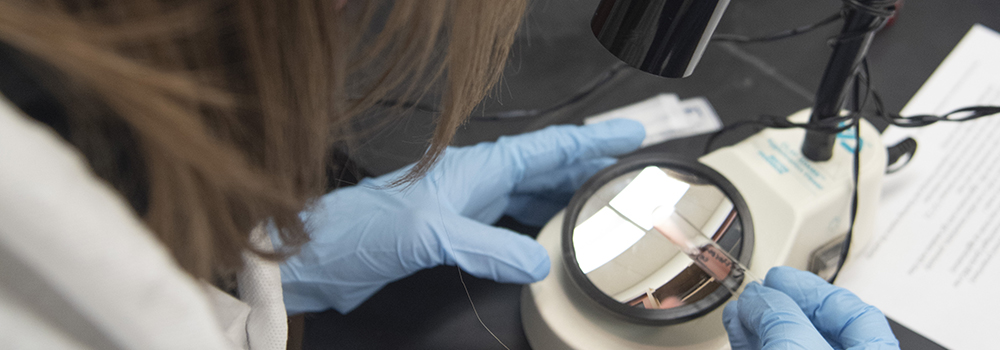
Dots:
pixel 933 263
pixel 666 117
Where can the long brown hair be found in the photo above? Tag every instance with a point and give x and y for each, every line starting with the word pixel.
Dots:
pixel 231 105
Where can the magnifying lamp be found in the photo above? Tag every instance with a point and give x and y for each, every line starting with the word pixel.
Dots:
pixel 613 285
pixel 776 198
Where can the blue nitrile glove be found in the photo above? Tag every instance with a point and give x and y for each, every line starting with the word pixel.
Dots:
pixel 799 310
pixel 366 236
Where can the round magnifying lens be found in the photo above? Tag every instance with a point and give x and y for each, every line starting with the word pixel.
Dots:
pixel 616 257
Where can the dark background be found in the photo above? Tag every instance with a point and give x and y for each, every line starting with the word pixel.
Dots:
pixel 555 56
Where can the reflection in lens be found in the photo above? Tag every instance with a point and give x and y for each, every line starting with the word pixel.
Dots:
pixel 622 255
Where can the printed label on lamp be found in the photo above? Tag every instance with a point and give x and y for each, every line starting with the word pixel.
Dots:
pixel 788 161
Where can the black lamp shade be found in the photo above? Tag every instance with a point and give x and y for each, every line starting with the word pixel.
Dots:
pixel 663 37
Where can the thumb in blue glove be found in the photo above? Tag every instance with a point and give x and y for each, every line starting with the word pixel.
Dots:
pixel 798 310
pixel 366 236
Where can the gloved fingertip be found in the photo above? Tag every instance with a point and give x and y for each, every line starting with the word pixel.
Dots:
pixel 504 256
pixel 731 311
pixel 739 339
pixel 783 278
pixel 598 164
pixel 528 273
pixel 755 293
pixel 542 269
pixel 626 126
pixel 752 289
pixel 620 135
pixel 579 173
pixel 782 273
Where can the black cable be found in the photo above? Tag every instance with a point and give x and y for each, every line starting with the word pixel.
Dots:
pixel 960 115
pixel 519 113
pixel 882 9
pixel 957 115
pixel 906 148
pixel 859 105
pixel 845 248
pixel 877 8
pixel 579 96
pixel 616 68
pixel 779 35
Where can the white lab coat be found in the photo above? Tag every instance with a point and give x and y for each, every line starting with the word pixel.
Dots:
pixel 79 270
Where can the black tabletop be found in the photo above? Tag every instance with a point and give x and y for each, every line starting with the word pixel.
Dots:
pixel 554 58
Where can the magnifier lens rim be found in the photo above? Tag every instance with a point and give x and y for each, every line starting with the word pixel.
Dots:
pixel 652 316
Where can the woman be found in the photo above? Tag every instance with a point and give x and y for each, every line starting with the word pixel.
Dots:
pixel 185 156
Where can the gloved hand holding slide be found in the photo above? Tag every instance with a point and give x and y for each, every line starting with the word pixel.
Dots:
pixel 794 309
